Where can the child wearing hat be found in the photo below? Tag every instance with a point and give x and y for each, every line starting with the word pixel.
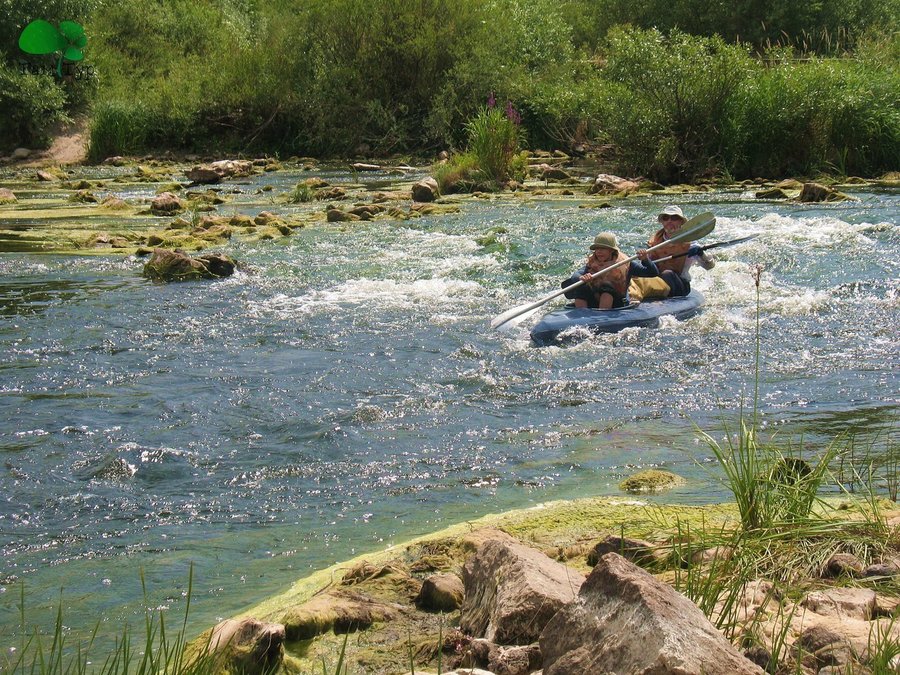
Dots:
pixel 610 289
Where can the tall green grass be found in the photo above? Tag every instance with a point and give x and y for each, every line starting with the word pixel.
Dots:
pixel 494 141
pixel 153 650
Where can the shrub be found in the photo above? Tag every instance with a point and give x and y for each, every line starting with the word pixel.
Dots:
pixel 822 115
pixel 669 94
pixel 30 103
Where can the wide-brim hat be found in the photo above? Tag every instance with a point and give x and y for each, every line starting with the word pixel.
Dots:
pixel 672 210
pixel 605 240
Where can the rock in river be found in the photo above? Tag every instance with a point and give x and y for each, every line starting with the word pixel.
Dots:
pixel 176 265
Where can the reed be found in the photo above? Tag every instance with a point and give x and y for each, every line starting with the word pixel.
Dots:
pixel 494 141
pixel 157 650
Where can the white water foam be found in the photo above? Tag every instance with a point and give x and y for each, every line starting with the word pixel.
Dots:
pixel 380 293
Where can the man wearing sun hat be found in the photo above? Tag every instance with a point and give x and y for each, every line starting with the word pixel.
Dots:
pixel 610 289
pixel 675 272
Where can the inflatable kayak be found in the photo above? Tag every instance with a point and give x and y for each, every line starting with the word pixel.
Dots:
pixel 644 314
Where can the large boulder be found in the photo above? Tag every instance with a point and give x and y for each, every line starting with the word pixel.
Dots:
pixel 166 265
pixel 607 184
pixel 247 645
pixel 816 192
pixel 426 190
pixel 512 591
pixel 626 621
pixel 7 196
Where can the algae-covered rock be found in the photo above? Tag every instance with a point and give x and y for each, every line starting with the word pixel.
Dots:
pixel 167 265
pixel 50 174
pixel 341 610
pixel 166 204
pixel 241 220
pixel 210 197
pixel 7 196
pixel 105 240
pixel 247 645
pixel 771 193
pixel 816 192
pixel 113 203
pixel 651 480
pixel 432 209
pixel 326 194
pixel 441 593
pixel 366 211
pixel 83 197
pixel 338 216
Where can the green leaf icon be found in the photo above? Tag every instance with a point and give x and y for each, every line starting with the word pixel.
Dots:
pixel 75 40
pixel 41 37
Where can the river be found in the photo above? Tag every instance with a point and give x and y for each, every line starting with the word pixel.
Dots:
pixel 344 392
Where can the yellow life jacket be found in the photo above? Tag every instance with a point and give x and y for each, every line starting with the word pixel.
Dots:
pixel 617 278
pixel 675 264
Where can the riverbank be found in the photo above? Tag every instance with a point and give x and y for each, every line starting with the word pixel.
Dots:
pixel 409 606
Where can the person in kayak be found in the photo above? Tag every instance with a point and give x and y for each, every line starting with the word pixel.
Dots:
pixel 675 272
pixel 609 290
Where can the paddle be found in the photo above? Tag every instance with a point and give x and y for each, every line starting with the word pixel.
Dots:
pixel 720 244
pixel 695 228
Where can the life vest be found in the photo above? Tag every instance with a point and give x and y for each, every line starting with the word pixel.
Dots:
pixel 675 264
pixel 617 278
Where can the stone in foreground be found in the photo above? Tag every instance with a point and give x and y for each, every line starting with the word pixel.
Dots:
pixel 512 591
pixel 626 621
pixel 247 645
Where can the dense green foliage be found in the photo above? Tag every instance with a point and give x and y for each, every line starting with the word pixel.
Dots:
pixel 32 100
pixel 675 91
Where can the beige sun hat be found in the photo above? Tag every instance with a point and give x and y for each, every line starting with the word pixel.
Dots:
pixel 672 210
pixel 605 240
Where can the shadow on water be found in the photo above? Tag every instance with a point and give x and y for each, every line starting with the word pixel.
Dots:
pixel 29 297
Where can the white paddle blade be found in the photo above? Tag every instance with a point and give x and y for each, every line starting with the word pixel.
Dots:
pixel 514 322
pixel 511 314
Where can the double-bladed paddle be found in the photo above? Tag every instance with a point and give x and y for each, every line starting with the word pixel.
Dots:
pixel 720 244
pixel 697 227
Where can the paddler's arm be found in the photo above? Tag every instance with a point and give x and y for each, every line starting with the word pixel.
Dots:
pixel 575 278
pixel 645 267
pixel 698 255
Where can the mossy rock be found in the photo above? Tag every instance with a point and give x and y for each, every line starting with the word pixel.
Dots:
pixel 170 187
pixel 7 196
pixel 651 480
pixel 772 193
pixel 83 197
pixel 113 203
